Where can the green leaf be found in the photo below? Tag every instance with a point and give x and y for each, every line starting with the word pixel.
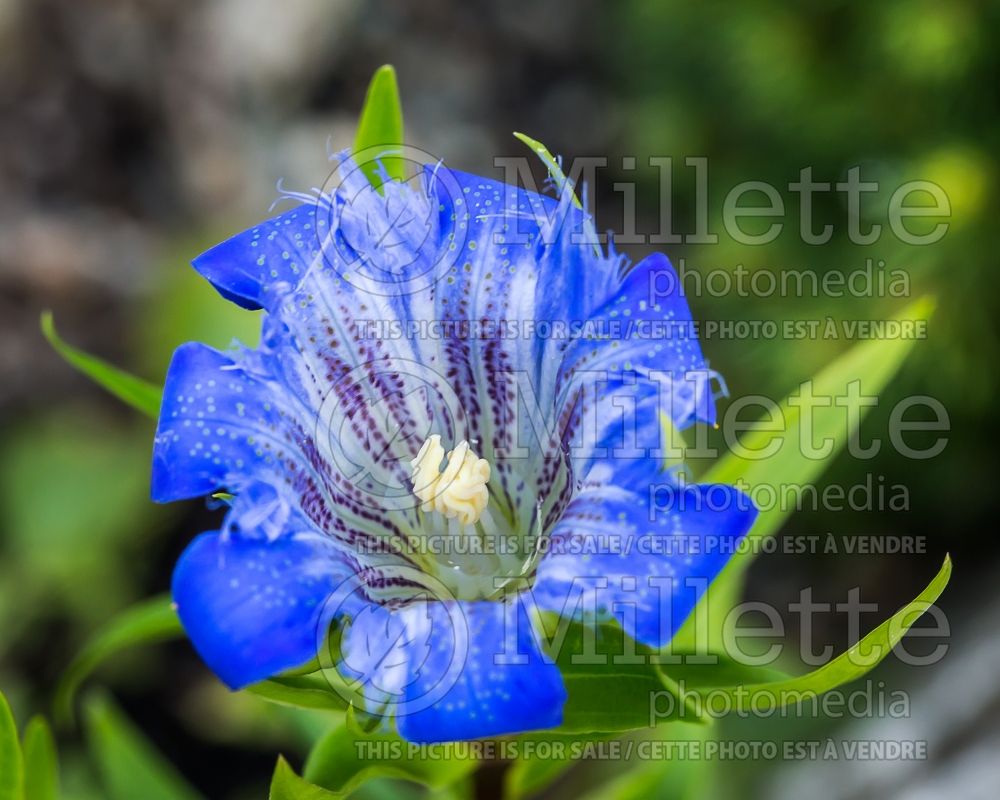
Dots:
pixel 346 757
pixel 146 623
pixel 528 776
pixel 645 780
pixel 678 779
pixel 41 765
pixel 136 392
pixel 536 769
pixel 380 127
pixel 74 507
pixel 693 670
pixel 561 182
pixel 612 680
pixel 550 161
pixel 286 785
pixel 302 691
pixel 11 765
pixel 873 363
pixel 130 767
pixel 609 678
pixel 850 665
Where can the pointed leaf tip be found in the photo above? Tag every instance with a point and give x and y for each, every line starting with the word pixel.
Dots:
pixel 287 785
pixel 857 661
pixel 380 128
pixel 550 161
pixel 41 767
pixel 136 392
pixel 11 760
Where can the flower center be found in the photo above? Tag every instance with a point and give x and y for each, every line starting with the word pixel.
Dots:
pixel 459 492
pixel 479 525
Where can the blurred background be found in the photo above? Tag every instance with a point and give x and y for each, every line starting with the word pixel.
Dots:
pixel 135 134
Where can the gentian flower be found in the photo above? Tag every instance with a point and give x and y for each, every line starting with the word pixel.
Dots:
pixel 452 423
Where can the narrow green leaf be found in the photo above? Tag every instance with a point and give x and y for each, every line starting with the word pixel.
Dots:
pixel 146 623
pixel 676 778
pixel 693 671
pixel 613 681
pixel 643 781
pixel 387 789
pixel 550 161
pixel 529 776
pixel 850 665
pixel 526 777
pixel 286 785
pixel 346 757
pixel 130 767
pixel 41 765
pixel 873 363
pixel 11 765
pixel 302 691
pixel 380 128
pixel 136 392
pixel 533 772
pixel 561 182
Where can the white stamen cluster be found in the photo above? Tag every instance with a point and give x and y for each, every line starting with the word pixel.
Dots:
pixel 459 492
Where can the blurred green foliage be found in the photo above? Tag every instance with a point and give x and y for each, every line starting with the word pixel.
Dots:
pixel 903 88
pixel 73 498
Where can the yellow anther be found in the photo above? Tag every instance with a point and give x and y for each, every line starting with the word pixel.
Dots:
pixel 460 491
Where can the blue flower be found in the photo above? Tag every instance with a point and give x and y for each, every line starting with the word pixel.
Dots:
pixel 452 422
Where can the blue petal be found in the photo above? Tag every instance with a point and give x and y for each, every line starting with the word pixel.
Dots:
pixel 327 272
pixel 641 547
pixel 229 424
pixel 253 607
pixel 217 424
pixel 456 670
pixel 519 256
pixel 619 418
pixel 275 253
pixel 483 250
pixel 505 230
pixel 647 327
pixel 519 260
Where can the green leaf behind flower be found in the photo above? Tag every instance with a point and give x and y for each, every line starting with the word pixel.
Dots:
pixel 130 767
pixel 286 785
pixel 136 392
pixel 533 770
pixel 609 679
pixel 29 769
pixel 873 363
pixel 850 665
pixel 11 762
pixel 550 161
pixel 380 127
pixel 154 621
pixel 348 756
pixel 146 623
pixel 41 765
pixel 612 680
pixel 528 776
pixel 313 691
